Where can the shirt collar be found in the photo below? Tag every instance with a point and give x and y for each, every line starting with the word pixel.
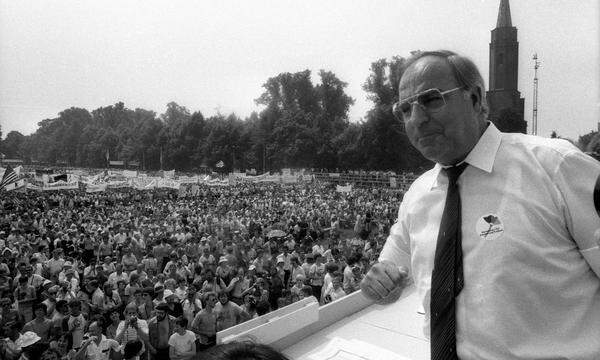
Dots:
pixel 482 156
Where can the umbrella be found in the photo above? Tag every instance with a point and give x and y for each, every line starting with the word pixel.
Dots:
pixel 276 234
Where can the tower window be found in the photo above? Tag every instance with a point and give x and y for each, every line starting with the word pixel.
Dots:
pixel 501 59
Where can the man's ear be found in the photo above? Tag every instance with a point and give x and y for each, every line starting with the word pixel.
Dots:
pixel 476 98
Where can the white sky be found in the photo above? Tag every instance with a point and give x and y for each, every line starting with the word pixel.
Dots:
pixel 215 55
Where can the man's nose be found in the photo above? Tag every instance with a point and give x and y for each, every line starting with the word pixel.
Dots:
pixel 418 115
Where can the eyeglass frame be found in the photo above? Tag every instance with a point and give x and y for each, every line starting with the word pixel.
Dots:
pixel 396 106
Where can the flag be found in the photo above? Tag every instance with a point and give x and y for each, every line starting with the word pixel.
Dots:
pixel 9 177
pixel 220 164
pixel 17 185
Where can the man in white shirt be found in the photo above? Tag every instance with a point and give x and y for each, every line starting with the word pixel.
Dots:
pixel 97 346
pixel 529 227
pixel 182 344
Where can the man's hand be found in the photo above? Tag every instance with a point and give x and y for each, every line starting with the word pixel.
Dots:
pixel 384 282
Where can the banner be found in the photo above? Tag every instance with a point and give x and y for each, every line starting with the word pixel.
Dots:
pixel 289 179
pixel 169 174
pixel 189 179
pixel 344 189
pixel 118 184
pixel 130 173
pixel 34 187
pixel 61 185
pixel 168 183
pixel 147 183
pixel 91 188
pixel 116 162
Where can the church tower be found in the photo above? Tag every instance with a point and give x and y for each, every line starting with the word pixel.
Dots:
pixel 504 98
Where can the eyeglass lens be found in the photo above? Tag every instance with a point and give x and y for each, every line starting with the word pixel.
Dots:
pixel 430 100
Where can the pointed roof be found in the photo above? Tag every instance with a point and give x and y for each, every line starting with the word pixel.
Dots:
pixel 504 15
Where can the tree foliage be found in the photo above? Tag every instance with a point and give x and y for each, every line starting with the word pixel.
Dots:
pixel 301 124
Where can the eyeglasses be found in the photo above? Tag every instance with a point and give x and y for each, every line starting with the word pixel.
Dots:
pixel 430 100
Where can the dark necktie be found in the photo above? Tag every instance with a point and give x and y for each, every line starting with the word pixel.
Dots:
pixel 447 275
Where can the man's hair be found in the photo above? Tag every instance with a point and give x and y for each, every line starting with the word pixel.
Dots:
pixel 181 321
pixel 40 306
pixel 243 350
pixel 464 70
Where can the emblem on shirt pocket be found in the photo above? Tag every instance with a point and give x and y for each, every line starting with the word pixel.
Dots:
pixel 489 227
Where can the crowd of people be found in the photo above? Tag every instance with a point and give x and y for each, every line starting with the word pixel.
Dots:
pixel 143 273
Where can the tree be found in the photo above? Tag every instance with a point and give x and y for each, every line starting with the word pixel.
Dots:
pixel 383 137
pixel 584 140
pixel 12 145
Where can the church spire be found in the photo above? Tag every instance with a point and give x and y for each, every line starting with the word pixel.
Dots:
pixel 504 15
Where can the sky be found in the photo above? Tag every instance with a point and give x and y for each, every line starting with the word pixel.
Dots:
pixel 214 56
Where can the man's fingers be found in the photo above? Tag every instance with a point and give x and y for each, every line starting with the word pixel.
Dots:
pixel 382 279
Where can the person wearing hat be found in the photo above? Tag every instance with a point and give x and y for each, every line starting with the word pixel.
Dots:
pixel 29 342
pixel 160 328
pixel 174 304
pixel 159 294
pixel 40 324
pixel 223 270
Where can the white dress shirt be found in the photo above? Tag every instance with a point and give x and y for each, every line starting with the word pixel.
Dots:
pixel 530 242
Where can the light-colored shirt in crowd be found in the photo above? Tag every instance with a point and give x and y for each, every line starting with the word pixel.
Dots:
pixel 101 351
pixel 182 343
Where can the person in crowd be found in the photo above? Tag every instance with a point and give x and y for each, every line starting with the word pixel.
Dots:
pixel 67 220
pixel 334 290
pixel 29 343
pixel 160 329
pixel 182 343
pixel 40 324
pixel 73 325
pixel 146 308
pixel 491 261
pixel 205 321
pixel 97 346
pixel 131 328
pixel 114 320
pixel 228 313
pixel 191 304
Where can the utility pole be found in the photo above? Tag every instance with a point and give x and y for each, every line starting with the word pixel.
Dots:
pixel 534 121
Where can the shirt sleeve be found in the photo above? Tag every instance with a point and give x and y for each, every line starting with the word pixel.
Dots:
pixel 397 245
pixel 578 180
pixel 172 341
